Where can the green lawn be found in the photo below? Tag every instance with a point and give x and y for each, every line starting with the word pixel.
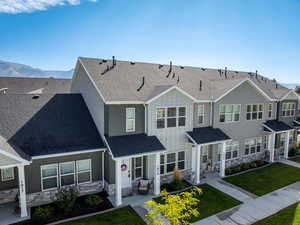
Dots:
pixel 297 159
pixel 267 179
pixel 122 216
pixel 212 201
pixel 287 216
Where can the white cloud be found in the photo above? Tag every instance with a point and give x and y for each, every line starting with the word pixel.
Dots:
pixel 21 6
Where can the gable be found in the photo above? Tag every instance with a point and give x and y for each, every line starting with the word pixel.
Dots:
pixel 173 97
pixel 291 96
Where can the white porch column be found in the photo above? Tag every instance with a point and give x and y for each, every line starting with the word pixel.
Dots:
pixel 194 163
pixel 272 146
pixel 118 187
pixel 22 191
pixel 286 146
pixel 157 175
pixel 198 164
pixel 223 160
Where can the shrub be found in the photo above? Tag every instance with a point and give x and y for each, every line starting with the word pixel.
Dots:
pixel 228 171
pixel 259 162
pixel 93 200
pixel 43 212
pixel 66 198
pixel 237 169
pixel 178 183
pixel 245 166
pixel 253 165
pixel 292 152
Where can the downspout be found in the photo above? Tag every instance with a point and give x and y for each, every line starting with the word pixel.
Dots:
pixel 103 169
pixel 145 112
pixel 211 114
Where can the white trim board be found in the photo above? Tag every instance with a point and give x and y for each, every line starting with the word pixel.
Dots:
pixel 287 94
pixel 14 156
pixel 67 153
pixel 242 82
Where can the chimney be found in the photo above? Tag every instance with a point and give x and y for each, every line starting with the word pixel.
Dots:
pixel 143 82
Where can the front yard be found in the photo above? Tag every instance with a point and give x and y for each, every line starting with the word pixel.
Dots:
pixel 287 216
pixel 122 216
pixel 212 201
pixel 267 179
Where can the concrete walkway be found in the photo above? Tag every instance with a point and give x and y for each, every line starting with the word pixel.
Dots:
pixel 256 209
pixel 289 162
pixel 231 190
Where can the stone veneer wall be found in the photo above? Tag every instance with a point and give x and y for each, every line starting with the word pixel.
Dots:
pixel 8 195
pixel 45 197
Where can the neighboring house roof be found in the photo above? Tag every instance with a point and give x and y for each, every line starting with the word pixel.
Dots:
pixel 35 125
pixel 276 126
pixel 22 85
pixel 135 144
pixel 207 135
pixel 122 82
pixel 297 122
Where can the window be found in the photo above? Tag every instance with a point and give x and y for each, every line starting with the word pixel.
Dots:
pixel 200 114
pixel 230 113
pixel 137 167
pixel 67 173
pixel 204 152
pixel 84 171
pixel 282 139
pixel 170 117
pixel 253 145
pixel 266 142
pixel 289 109
pixel 170 161
pixel 291 137
pixel 255 112
pixel 130 119
pixel 270 110
pixel 232 149
pixel 49 175
pixel 7 174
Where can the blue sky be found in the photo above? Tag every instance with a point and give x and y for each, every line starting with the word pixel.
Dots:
pixel 242 35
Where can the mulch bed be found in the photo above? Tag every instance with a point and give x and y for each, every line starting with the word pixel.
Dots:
pixel 80 208
pixel 169 187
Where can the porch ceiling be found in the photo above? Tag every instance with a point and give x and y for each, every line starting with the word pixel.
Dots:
pixel 6 161
pixel 207 135
pixel 136 144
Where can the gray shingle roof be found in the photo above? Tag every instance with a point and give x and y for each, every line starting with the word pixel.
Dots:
pixel 21 85
pixel 50 124
pixel 277 126
pixel 122 81
pixel 205 135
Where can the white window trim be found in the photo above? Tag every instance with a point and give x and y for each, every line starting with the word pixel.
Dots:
pixel 43 178
pixel 10 178
pixel 138 167
pixel 202 114
pixel 258 111
pixel 256 143
pixel 284 111
pixel 230 113
pixel 232 144
pixel 176 162
pixel 270 110
pixel 130 119
pixel 166 117
pixel 90 171
pixel 68 174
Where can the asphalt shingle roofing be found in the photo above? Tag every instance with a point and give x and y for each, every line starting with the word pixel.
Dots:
pixel 136 144
pixel 205 135
pixel 46 124
pixel 120 83
pixel 27 85
pixel 277 126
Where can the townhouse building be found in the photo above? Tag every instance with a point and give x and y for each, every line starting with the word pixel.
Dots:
pixel 125 121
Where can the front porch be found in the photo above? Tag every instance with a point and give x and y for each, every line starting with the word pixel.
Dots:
pixel 8 214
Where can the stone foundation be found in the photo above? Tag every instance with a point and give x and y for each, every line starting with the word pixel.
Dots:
pixel 187 174
pixel 8 195
pixel 41 198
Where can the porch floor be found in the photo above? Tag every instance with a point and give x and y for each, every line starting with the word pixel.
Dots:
pixel 132 200
pixel 8 215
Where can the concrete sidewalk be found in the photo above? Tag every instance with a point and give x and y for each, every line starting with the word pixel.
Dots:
pixel 290 163
pixel 256 209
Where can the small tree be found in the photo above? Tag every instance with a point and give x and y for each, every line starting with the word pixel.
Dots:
pixel 178 209
pixel 66 198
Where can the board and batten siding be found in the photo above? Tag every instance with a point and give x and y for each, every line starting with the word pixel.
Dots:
pixel 81 83
pixel 33 171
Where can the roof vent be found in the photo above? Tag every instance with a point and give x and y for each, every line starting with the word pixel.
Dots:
pixel 104 60
pixel 236 71
pixel 200 85
pixel 203 69
pixel 173 75
pixel 3 90
pixel 256 76
pixel 225 72
pixel 100 63
pixel 132 63
pixel 178 80
pixel 182 67
pixel 143 82
pixel 35 97
pixel 220 72
pixel 160 66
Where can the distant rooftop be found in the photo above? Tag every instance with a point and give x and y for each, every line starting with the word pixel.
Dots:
pixel 24 85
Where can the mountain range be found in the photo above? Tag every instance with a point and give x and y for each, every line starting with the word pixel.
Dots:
pixel 11 69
